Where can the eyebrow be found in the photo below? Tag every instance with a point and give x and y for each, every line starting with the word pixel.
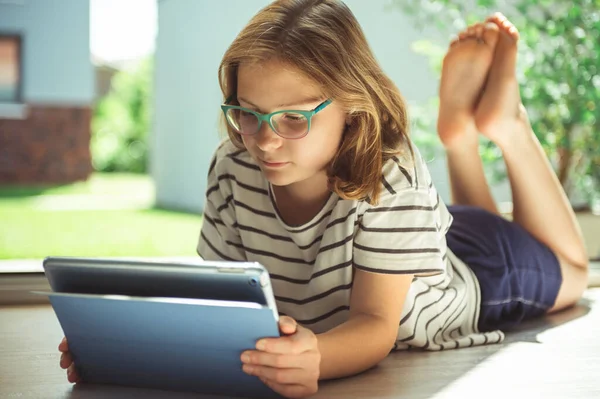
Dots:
pixel 285 105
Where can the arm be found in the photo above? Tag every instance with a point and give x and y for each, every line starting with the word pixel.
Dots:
pixel 386 257
pixel 368 336
pixel 293 364
pixel 396 240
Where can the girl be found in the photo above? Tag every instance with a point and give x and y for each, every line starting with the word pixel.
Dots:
pixel 320 183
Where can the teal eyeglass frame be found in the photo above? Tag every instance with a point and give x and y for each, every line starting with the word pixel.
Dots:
pixel 267 117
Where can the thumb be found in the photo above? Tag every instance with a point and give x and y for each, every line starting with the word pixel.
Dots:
pixel 287 325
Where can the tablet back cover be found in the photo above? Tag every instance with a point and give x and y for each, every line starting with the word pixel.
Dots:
pixel 183 346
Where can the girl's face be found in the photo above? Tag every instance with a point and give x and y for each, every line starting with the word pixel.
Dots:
pixel 272 86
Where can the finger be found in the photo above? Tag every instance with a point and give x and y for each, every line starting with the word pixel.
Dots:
pixel 287 325
pixel 72 374
pixel 291 390
pixel 63 346
pixel 65 360
pixel 303 341
pixel 281 345
pixel 281 376
pixel 259 358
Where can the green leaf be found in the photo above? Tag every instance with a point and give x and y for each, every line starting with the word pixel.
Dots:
pixel 559 71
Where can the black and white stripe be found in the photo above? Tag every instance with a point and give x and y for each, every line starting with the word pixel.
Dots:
pixel 312 265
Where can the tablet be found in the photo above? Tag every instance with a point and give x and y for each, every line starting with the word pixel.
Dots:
pixel 235 281
pixel 132 337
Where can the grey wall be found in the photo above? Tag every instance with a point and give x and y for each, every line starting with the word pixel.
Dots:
pixel 56 59
pixel 193 35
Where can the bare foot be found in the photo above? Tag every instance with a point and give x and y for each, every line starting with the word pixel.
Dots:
pixel 500 108
pixel 464 73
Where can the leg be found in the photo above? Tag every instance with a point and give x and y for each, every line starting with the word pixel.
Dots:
pixel 519 277
pixel 540 205
pixel 464 74
pixel 467 179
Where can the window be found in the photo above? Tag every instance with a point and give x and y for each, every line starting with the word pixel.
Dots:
pixel 10 68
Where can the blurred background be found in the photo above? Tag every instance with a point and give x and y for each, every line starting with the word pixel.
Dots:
pixel 109 111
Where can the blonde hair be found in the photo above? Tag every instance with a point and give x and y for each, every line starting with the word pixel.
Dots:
pixel 323 39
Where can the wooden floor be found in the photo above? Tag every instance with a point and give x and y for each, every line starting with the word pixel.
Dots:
pixel 555 357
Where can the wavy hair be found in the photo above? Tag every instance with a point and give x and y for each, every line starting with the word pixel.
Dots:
pixel 323 39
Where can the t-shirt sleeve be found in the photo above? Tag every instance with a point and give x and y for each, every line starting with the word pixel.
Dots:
pixel 405 232
pixel 219 237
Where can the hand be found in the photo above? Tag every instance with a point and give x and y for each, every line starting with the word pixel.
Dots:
pixel 66 361
pixel 289 365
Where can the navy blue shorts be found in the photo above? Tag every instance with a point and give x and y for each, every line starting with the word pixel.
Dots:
pixel 518 275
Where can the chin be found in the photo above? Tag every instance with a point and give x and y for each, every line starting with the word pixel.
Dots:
pixel 279 179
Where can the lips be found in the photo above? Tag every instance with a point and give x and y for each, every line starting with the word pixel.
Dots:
pixel 273 164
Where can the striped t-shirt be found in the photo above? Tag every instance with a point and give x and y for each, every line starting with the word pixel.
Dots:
pixel 311 265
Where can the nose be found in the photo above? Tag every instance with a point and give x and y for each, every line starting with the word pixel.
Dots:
pixel 266 139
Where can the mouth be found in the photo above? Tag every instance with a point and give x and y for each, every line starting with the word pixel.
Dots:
pixel 273 164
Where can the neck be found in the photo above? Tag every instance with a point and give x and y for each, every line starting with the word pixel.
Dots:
pixel 299 202
pixel 309 191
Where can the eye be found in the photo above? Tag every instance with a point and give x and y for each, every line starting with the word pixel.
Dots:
pixel 294 117
pixel 245 115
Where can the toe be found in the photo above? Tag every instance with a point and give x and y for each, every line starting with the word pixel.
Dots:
pixel 490 34
pixel 504 24
pixel 510 29
pixel 497 18
pixel 478 29
pixel 472 32
pixel 463 35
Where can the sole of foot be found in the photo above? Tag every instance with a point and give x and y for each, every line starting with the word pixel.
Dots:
pixel 464 74
pixel 500 106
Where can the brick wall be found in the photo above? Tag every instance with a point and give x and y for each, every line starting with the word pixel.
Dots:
pixel 51 146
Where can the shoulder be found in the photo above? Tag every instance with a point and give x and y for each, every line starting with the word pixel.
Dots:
pixel 233 172
pixel 405 174
pixel 228 158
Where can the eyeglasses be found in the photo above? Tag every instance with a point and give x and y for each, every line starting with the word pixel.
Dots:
pixel 289 124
